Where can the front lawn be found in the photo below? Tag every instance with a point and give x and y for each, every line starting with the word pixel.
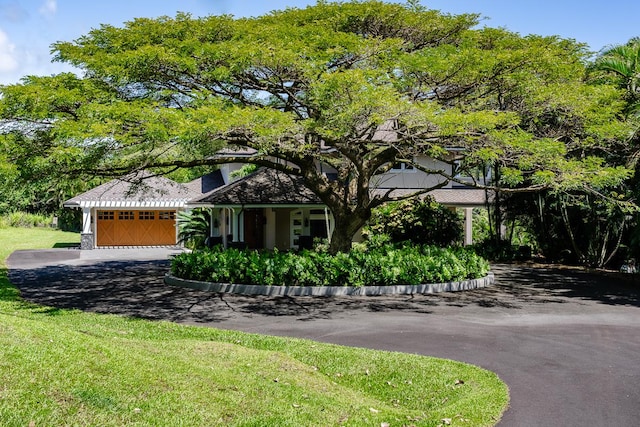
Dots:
pixel 62 367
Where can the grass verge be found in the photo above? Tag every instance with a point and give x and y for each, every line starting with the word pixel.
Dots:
pixel 64 367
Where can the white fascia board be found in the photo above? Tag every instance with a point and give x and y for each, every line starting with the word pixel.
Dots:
pixel 254 206
pixel 121 204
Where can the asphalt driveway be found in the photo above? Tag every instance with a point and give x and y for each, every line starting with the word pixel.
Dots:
pixel 565 341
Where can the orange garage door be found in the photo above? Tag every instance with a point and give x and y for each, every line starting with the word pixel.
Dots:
pixel 136 228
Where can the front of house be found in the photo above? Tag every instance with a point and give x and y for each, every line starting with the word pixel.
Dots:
pixel 266 209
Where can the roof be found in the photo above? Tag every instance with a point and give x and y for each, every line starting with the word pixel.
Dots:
pixel 459 197
pixel 264 187
pixel 134 191
pixel 206 183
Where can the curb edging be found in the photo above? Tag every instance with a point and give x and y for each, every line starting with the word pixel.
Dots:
pixel 317 291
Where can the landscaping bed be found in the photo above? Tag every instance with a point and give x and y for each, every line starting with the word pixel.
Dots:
pixel 383 266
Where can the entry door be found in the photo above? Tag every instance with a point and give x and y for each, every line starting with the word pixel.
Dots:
pixel 254 228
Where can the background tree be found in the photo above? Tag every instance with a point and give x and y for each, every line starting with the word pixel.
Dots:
pixel 356 86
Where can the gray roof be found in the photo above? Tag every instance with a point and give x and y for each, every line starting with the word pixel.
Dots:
pixel 460 197
pixel 263 187
pixel 206 183
pixel 135 190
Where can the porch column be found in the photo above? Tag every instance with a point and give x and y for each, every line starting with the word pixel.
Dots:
pixel 224 226
pixel 236 225
pixel 86 237
pixel 212 216
pixel 468 226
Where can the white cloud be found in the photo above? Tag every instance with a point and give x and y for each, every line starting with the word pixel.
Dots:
pixel 49 8
pixel 8 61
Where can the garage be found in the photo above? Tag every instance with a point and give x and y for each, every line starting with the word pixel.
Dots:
pixel 135 228
pixel 137 210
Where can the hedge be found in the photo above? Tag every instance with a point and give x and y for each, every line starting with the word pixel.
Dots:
pixel 374 267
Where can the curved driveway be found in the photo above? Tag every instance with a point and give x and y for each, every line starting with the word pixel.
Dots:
pixel 566 342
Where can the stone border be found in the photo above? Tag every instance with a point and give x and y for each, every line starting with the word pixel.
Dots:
pixel 318 291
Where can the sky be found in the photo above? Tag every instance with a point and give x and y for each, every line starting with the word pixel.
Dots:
pixel 29 27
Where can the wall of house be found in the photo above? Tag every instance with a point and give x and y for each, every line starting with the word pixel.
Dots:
pixel 270 229
pixel 227 168
pixel 413 178
pixel 283 229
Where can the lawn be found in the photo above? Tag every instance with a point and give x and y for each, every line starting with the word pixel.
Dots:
pixel 63 367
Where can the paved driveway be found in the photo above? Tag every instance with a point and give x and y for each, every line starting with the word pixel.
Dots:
pixel 566 342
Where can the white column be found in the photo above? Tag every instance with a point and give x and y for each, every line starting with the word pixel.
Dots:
pixel 236 225
pixel 224 227
pixel 468 226
pixel 86 221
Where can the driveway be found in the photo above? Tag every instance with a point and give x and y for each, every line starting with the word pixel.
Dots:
pixel 565 341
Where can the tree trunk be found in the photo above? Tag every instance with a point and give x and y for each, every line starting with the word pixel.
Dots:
pixel 347 225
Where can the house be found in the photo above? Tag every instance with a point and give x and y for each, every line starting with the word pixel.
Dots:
pixel 271 209
pixel 266 209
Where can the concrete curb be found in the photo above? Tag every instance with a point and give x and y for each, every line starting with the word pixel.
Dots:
pixel 318 291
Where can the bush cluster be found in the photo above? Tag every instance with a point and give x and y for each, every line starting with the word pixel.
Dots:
pixel 25 220
pixel 421 222
pixel 387 265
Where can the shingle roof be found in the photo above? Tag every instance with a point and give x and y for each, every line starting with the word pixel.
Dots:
pixel 135 190
pixel 263 187
pixel 461 197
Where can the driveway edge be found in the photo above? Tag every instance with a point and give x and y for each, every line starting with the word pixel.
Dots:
pixel 319 291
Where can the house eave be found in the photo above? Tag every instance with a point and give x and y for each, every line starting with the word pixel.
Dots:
pixel 121 204
pixel 257 205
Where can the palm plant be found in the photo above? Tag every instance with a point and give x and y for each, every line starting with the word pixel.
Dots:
pixel 193 228
pixel 621 64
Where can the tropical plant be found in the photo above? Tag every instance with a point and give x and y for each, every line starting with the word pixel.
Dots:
pixel 380 266
pixel 194 227
pixel 621 64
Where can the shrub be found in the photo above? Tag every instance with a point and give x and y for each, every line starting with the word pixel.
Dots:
pixel 383 266
pixel 26 220
pixel 421 222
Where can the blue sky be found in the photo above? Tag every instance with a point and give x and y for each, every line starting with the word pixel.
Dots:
pixel 28 27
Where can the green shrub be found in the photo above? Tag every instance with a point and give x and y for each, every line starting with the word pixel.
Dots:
pixel 382 266
pixel 25 220
pixel 421 222
pixel 503 251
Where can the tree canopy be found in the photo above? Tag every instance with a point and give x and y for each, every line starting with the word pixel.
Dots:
pixel 357 86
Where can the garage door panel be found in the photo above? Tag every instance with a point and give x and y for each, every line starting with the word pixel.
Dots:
pixel 106 223
pixel 136 228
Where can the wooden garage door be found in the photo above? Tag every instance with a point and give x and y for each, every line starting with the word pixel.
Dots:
pixel 136 228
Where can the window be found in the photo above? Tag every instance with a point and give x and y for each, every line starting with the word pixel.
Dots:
pixel 106 215
pixel 167 215
pixel 146 215
pixel 402 167
pixel 125 215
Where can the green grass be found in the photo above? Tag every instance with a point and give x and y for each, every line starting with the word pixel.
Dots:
pixel 64 367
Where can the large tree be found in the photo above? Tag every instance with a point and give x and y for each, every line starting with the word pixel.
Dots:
pixel 356 86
